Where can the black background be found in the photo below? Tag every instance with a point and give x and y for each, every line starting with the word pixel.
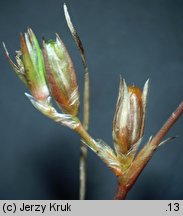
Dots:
pixel 137 39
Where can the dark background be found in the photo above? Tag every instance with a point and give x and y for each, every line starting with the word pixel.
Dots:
pixel 137 39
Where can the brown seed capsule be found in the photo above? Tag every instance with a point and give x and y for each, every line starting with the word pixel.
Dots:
pixel 128 124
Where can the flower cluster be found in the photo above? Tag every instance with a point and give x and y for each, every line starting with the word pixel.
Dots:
pixel 51 74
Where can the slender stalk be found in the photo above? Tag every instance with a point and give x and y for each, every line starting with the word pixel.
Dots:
pixel 129 178
pixel 104 151
pixel 107 156
pixel 83 148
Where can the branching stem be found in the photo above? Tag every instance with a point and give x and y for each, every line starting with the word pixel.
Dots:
pixel 126 182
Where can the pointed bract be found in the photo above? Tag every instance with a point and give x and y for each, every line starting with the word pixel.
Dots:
pixel 19 68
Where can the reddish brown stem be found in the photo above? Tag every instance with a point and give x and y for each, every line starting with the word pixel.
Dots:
pixel 121 192
pixel 168 124
pixel 146 153
pixel 126 181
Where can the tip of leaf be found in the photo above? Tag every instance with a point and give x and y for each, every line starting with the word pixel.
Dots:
pixel 30 97
pixel 120 83
pixel 29 28
pixel 4 46
pixel 57 36
pixel 147 81
pixel 124 83
pixel 146 88
pixel 65 8
pixel 23 43
pixel 64 5
pixel 167 140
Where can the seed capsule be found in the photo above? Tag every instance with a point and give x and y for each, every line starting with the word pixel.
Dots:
pixel 61 76
pixel 129 118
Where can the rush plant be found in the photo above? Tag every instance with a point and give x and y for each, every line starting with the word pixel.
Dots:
pixel 49 74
